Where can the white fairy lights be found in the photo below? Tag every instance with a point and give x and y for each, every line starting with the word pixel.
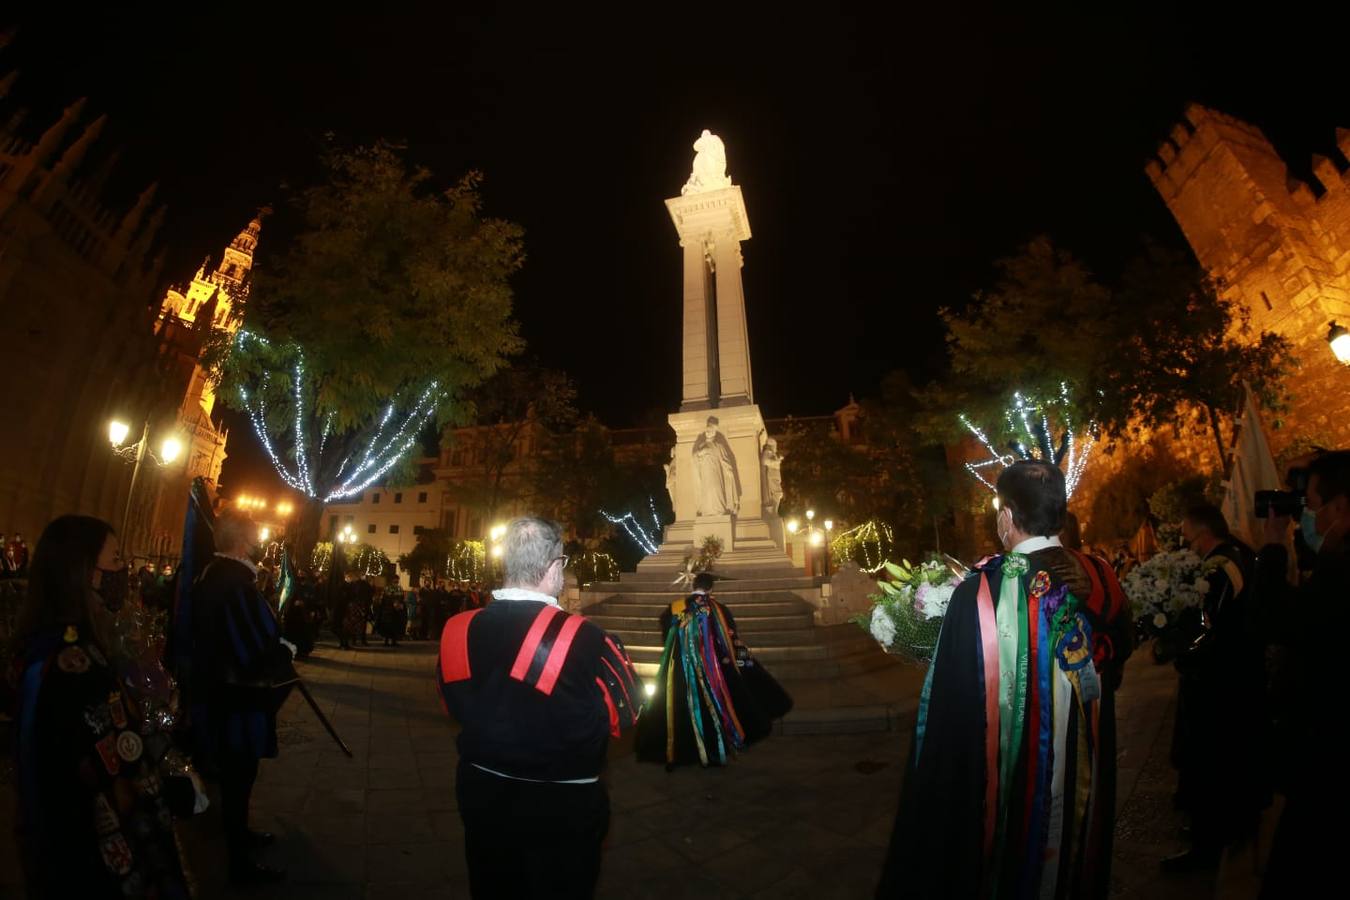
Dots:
pixel 635 529
pixel 1038 442
pixel 375 462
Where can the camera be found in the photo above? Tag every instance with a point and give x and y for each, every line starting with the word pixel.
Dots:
pixel 1284 503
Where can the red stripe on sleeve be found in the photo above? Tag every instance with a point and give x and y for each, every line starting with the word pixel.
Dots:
pixel 532 639
pixel 454 661
pixel 613 713
pixel 558 655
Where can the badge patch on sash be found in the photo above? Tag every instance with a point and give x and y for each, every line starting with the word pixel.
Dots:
pixel 73 661
pixel 129 746
pixel 117 710
pixel 116 854
pixel 107 751
pixel 105 820
pixel 149 784
pixel 70 635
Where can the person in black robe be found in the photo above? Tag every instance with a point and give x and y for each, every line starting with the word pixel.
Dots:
pixel 1221 701
pixel 241 675
pixel 299 625
pixel 93 819
pixel 712 696
pixel 391 617
pixel 359 613
pixel 1010 786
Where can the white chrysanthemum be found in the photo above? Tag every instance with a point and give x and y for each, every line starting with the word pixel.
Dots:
pixel 935 604
pixel 882 628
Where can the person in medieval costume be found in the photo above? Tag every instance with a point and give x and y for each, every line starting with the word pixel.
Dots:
pixel 1010 785
pixel 712 696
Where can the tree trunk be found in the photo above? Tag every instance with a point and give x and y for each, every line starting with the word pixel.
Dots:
pixel 307 533
pixel 1218 438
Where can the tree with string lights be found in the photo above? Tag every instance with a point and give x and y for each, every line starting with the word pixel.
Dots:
pixel 390 304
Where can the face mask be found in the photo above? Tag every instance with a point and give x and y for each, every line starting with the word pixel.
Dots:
pixel 1002 534
pixel 1308 525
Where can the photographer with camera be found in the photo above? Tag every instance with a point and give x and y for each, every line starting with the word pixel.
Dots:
pixel 1298 617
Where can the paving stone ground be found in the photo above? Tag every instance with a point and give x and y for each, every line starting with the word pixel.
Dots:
pixel 797 816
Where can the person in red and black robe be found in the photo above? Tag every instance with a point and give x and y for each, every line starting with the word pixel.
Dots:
pixel 538 693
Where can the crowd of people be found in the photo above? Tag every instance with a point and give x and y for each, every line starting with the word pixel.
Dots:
pixel 1010 784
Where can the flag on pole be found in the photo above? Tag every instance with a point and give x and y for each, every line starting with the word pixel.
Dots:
pixel 1251 469
pixel 286 583
pixel 198 547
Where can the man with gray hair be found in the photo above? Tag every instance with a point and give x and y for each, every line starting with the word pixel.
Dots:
pixel 538 693
pixel 240 665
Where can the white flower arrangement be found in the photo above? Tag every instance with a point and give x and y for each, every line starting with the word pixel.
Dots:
pixel 1165 586
pixel 907 614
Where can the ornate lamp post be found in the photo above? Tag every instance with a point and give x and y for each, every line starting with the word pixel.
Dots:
pixel 170 449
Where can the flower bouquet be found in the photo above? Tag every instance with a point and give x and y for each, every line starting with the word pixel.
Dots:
pixel 1166 594
pixel 907 614
pixel 700 559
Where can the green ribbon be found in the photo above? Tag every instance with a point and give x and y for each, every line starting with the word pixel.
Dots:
pixel 1010 619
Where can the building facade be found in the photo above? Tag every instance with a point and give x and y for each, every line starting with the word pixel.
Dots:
pixel 1277 244
pixel 79 344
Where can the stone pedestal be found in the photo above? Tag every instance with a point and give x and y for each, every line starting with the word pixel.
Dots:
pixel 751 536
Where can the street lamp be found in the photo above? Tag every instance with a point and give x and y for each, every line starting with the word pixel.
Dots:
pixel 170 449
pixel 1339 338
pixel 815 537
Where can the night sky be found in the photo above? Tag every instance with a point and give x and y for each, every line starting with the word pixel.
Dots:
pixel 885 162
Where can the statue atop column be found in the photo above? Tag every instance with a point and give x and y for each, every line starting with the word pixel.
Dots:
pixel 710 166
pixel 719 485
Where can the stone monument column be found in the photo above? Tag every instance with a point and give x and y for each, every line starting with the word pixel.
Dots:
pixel 716 474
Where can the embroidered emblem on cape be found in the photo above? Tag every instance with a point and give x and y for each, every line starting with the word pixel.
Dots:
pixel 107 751
pixel 73 660
pixel 116 854
pixel 98 719
pixel 70 635
pixel 129 746
pixel 105 820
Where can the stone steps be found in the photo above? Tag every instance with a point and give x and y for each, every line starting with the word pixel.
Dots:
pixel 747 625
pixel 776 621
pixel 638 584
pixel 767 606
